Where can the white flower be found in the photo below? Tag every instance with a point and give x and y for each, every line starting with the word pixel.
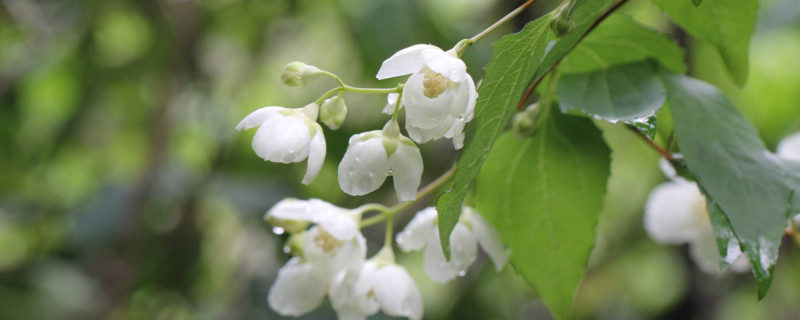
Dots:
pixel 440 95
pixel 789 147
pixel 676 213
pixel 331 249
pixel 471 230
pixel 379 284
pixel 372 156
pixel 288 135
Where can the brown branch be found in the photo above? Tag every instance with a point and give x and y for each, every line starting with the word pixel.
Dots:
pixel 532 88
pixel 663 152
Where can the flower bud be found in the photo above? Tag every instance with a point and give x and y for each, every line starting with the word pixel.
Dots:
pixel 562 23
pixel 298 74
pixel 525 122
pixel 333 112
pixel 290 226
pixel 295 244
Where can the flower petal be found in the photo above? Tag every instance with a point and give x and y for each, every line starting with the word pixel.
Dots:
pixel 293 209
pixel 789 147
pixel 349 293
pixel 364 166
pixel 282 139
pixel 397 293
pixel 418 231
pixel 256 118
pixel 406 163
pixel 445 64
pixel 391 102
pixel 675 212
pixel 426 112
pixel 296 290
pixel 463 250
pixel 406 61
pixel 488 238
pixel 316 156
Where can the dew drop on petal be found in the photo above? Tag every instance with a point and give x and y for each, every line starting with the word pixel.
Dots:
pixel 462 273
pixel 389 173
pixel 278 230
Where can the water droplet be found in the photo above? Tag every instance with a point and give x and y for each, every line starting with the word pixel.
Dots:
pixel 356 159
pixel 278 230
pixel 462 273
pixel 371 174
pixel 460 117
pixel 286 249
pixel 291 151
pixel 389 173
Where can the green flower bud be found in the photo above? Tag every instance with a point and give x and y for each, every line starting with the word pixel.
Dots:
pixel 525 123
pixel 290 226
pixel 298 74
pixel 333 112
pixel 562 23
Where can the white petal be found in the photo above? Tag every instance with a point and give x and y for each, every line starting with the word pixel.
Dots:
pixel 316 155
pixel 421 135
pixel 296 290
pixel 488 238
pixel 282 139
pixel 675 212
pixel 442 63
pixel 425 112
pixel 350 293
pixel 256 118
pixel 292 209
pixel 391 102
pixel 789 147
pixel 397 293
pixel 364 167
pixel 418 231
pixel 406 61
pixel 406 162
pixel 704 252
pixel 463 250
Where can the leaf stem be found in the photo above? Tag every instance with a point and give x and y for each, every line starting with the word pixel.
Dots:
pixel 426 191
pixel 663 152
pixel 463 44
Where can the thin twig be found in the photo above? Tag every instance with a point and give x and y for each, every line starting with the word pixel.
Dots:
pixel 663 152
pixel 532 88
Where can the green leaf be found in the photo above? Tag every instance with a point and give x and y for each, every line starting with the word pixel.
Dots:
pixel 543 194
pixel 620 40
pixel 622 93
pixel 725 24
pixel 731 164
pixel 518 60
pixel 647 126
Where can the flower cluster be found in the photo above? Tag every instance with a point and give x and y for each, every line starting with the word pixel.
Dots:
pixel 330 260
pixel 328 249
pixel 676 213
pixel 439 99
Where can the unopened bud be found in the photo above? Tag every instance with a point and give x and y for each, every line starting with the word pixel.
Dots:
pixel 290 226
pixel 298 74
pixel 525 123
pixel 562 23
pixel 333 112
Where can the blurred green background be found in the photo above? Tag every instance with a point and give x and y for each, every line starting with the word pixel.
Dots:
pixel 125 192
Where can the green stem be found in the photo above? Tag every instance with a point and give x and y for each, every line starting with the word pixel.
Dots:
pixel 335 77
pixel 397 106
pixel 387 240
pixel 398 88
pixel 327 94
pixel 463 44
pixel 426 191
